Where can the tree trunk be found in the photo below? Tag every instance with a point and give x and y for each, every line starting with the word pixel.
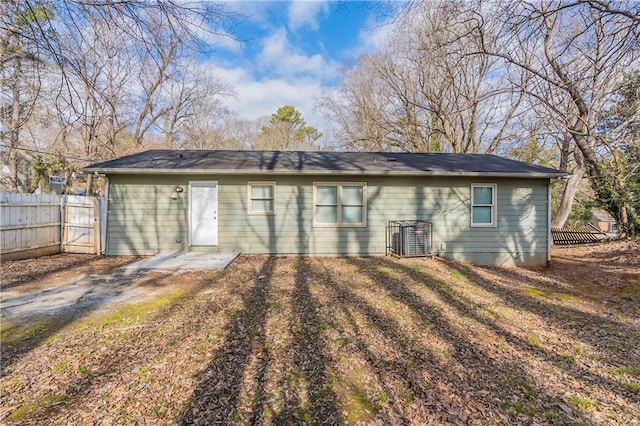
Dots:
pixel 568 195
pixel 89 184
pixel 14 131
pixel 13 171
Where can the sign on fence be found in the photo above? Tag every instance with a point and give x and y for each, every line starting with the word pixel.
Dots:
pixel 57 180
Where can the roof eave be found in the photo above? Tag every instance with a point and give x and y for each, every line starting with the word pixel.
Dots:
pixel 152 171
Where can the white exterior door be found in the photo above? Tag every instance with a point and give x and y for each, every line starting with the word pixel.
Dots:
pixel 203 213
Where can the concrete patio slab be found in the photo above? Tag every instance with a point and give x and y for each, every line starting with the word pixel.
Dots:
pixel 184 261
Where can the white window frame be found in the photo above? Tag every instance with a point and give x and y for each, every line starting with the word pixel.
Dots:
pixel 250 184
pixel 493 205
pixel 339 205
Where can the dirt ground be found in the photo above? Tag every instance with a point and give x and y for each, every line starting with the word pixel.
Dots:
pixel 50 271
pixel 607 273
pixel 58 288
pixel 340 341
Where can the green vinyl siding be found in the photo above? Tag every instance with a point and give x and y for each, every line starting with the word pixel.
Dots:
pixel 143 217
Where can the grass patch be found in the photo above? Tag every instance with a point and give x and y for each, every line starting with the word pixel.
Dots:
pixel 567 357
pixel 526 409
pixel 534 341
pixel 5 328
pixel 11 335
pixel 28 410
pixel 581 403
pixel 584 352
pixel 445 289
pixel 60 367
pixel 159 411
pixel 631 290
pixel 624 371
pixel 8 384
pixel 459 274
pixel 504 347
pixel 522 384
pixel 632 387
pixel 536 292
pixel 357 406
pixel 131 313
pixel 551 416
pixel 145 375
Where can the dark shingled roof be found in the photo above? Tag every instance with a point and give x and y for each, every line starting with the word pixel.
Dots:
pixel 319 163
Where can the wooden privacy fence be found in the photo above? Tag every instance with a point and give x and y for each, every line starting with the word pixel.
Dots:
pixel 34 225
pixel 577 235
pixel 80 225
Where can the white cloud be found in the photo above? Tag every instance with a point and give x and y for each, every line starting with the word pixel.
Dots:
pixel 373 35
pixel 222 40
pixel 253 11
pixel 280 73
pixel 256 98
pixel 305 12
pixel 281 57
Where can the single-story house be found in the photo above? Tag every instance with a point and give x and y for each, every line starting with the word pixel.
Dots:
pixel 480 208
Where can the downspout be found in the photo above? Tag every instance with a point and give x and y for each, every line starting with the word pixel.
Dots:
pixel 549 235
pixel 104 231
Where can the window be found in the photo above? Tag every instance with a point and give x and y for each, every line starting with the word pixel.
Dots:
pixel 262 198
pixel 483 204
pixel 339 204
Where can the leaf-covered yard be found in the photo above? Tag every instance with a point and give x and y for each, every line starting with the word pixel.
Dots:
pixel 349 340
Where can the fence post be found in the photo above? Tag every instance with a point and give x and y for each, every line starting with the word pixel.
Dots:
pixel 96 243
pixel 62 227
pixel 102 217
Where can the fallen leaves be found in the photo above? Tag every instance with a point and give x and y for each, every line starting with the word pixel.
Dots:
pixel 347 340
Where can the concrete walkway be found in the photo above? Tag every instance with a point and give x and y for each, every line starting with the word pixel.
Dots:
pixel 183 261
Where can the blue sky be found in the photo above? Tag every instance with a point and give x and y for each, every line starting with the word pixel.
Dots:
pixel 289 52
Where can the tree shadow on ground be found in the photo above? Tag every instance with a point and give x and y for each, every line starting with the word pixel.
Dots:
pixel 27 334
pixel 511 384
pixel 587 327
pixel 224 390
pixel 217 393
pixel 309 359
pixel 23 273
pixel 592 329
pixel 123 349
pixel 317 341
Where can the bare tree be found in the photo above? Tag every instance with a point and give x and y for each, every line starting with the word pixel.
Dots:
pixel 425 91
pixel 155 35
pixel 574 55
pixel 196 116
pixel 21 70
pixel 357 109
pixel 159 63
pixel 136 20
pixel 91 106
